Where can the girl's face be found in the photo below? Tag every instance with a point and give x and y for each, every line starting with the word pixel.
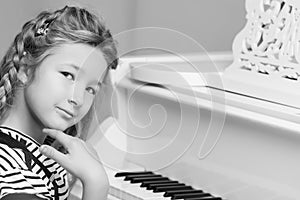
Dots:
pixel 64 86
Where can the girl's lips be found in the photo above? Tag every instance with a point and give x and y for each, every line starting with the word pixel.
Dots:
pixel 65 113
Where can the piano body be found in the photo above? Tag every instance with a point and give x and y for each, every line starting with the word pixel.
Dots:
pixel 228 124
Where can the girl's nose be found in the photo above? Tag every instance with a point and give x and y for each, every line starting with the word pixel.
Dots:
pixel 77 97
pixel 73 102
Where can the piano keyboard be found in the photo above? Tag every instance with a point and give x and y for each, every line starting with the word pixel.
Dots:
pixel 149 185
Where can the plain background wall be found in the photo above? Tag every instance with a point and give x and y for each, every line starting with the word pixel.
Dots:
pixel 211 23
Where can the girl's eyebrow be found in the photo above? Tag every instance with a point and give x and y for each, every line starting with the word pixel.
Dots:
pixel 77 68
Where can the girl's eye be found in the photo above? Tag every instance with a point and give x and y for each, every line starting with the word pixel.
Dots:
pixel 91 90
pixel 68 75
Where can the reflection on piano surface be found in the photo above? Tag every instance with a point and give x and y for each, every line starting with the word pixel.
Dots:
pixel 232 134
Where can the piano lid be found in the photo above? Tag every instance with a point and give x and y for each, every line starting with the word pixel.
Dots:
pixel 186 71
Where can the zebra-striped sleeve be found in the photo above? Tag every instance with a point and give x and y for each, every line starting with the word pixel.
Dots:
pixel 17 175
pixel 22 181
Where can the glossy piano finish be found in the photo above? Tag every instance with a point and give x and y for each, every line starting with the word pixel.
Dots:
pixel 238 137
pixel 235 146
pixel 254 156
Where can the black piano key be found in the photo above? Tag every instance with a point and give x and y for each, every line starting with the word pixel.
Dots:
pixel 130 177
pixel 153 186
pixel 120 174
pixel 171 193
pixel 142 179
pixel 147 183
pixel 169 188
pixel 184 196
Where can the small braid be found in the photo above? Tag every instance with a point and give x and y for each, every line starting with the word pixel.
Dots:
pixel 6 88
pixel 8 82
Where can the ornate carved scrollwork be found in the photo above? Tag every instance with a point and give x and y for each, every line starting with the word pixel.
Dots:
pixel 270 42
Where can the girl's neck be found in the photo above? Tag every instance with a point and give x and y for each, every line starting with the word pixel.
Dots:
pixel 33 132
pixel 19 118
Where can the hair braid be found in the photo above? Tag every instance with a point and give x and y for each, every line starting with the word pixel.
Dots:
pixel 10 66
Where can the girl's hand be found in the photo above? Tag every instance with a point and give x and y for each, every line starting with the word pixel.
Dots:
pixel 81 159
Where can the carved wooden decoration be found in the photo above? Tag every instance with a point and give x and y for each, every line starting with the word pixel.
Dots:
pixel 267 51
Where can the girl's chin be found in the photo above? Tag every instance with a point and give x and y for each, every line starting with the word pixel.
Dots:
pixel 58 126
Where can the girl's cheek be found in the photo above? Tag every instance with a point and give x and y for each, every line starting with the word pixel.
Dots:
pixel 87 103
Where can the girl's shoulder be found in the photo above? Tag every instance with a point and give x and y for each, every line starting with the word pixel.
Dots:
pixel 19 171
pixel 15 177
pixel 15 148
pixel 11 157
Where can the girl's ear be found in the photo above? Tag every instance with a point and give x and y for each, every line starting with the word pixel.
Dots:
pixel 22 75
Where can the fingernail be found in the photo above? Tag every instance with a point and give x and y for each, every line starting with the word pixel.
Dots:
pixel 43 149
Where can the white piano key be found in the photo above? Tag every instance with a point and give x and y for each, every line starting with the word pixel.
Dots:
pixel 110 197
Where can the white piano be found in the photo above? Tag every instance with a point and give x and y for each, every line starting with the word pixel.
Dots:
pixel 227 124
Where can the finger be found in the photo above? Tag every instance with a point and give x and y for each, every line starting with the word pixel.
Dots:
pixel 60 136
pixel 52 153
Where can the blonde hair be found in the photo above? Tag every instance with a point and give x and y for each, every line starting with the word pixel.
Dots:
pixel 46 31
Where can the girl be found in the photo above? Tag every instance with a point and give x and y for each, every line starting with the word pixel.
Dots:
pixel 49 78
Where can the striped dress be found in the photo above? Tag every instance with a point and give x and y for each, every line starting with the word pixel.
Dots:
pixel 17 177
